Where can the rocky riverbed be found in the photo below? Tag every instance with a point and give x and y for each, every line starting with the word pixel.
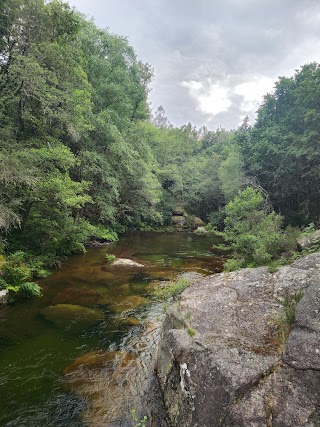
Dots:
pixel 224 356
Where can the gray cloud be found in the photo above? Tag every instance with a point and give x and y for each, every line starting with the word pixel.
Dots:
pixel 213 60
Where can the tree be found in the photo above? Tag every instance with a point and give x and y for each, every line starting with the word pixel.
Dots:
pixel 282 150
pixel 252 230
pixel 160 120
pixel 231 174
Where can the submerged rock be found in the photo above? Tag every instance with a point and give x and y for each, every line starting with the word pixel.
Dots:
pixel 72 317
pixel 232 372
pixel 126 303
pixel 78 296
pixel 115 383
pixel 98 359
pixel 129 321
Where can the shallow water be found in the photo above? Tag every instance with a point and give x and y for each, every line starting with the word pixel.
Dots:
pixel 37 347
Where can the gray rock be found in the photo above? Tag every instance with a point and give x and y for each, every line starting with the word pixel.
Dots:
pixel 309 241
pixel 4 295
pixel 234 371
pixel 178 221
pixel 308 309
pixel 308 262
pixel 179 211
pixel 201 230
pixel 295 398
pixel 303 350
pixel 124 262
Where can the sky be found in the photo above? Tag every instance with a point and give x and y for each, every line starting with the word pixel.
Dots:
pixel 213 60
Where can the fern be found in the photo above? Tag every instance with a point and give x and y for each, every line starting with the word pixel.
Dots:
pixel 30 289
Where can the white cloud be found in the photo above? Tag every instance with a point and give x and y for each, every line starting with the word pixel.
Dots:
pixel 214 60
pixel 252 92
pixel 212 98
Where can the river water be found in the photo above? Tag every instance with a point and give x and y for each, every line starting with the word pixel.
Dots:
pixel 95 311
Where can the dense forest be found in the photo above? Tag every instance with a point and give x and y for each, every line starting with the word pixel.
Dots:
pixel 81 155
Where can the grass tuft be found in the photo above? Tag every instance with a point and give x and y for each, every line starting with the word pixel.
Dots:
pixel 171 290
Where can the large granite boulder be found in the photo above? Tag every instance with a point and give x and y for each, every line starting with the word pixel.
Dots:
pixel 222 358
pixel 178 221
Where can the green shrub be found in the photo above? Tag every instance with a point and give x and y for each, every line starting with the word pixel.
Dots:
pixel 252 230
pixel 309 229
pixel 30 289
pixel 284 322
pixel 289 239
pixel 15 274
pixel 18 269
pixel 233 264
pixel 171 290
pixel 290 304
pixel 275 264
pixel 215 220
pixel 110 258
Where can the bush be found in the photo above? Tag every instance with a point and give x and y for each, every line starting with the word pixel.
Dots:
pixel 215 220
pixel 253 231
pixel 233 264
pixel 17 272
pixel 30 289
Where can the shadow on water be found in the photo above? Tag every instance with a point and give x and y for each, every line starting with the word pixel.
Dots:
pixel 58 352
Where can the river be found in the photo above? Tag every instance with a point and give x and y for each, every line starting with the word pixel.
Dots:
pixel 39 348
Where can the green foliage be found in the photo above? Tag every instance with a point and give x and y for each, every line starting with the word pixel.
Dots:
pixel 231 175
pixel 308 230
pixel 74 160
pixel 290 304
pixel 110 258
pixel 275 264
pixel 15 274
pixel 284 322
pixel 232 264
pixel 253 231
pixel 171 290
pixel 282 150
pixel 80 160
pixel 192 332
pixel 17 271
pixel 30 289
pixel 216 219
pixel 139 422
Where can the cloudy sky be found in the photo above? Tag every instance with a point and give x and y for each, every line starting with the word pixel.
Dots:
pixel 213 60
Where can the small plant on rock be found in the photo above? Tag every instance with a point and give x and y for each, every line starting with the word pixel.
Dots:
pixel 172 289
pixel 110 258
pixel 139 422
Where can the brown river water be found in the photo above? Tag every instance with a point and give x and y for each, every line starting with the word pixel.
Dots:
pixel 81 356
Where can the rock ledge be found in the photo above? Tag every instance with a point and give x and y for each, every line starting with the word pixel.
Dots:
pixel 236 371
